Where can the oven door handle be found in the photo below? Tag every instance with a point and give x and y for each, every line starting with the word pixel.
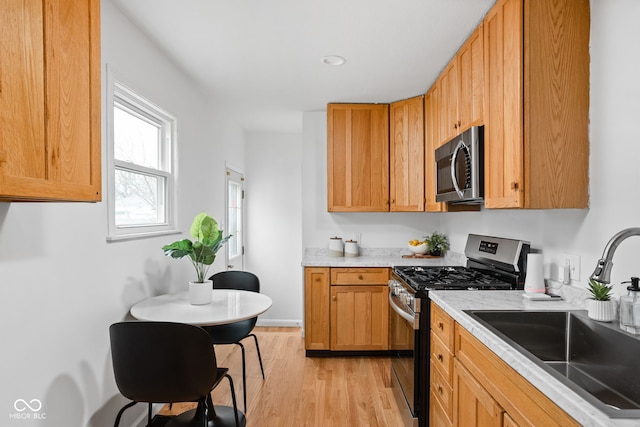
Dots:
pixel 406 316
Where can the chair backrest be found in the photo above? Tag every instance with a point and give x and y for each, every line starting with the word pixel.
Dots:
pixel 234 279
pixel 162 362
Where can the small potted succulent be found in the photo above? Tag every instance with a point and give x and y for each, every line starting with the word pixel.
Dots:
pixel 201 253
pixel 438 243
pixel 600 306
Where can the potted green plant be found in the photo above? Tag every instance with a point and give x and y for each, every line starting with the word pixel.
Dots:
pixel 600 306
pixel 201 252
pixel 438 243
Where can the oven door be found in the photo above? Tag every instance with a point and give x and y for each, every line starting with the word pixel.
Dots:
pixel 403 331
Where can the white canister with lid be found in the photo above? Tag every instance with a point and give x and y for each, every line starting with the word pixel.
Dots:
pixel 351 248
pixel 336 247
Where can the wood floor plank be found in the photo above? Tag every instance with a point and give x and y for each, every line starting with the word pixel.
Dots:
pixel 301 391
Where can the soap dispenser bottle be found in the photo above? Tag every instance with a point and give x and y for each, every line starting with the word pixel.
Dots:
pixel 630 308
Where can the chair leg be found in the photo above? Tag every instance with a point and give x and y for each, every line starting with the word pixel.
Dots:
pixel 259 356
pixel 244 377
pixel 233 399
pixel 121 411
pixel 149 412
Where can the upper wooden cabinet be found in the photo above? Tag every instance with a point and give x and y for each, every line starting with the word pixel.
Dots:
pixel 432 137
pixel 470 92
pixel 537 104
pixel 461 89
pixel 50 100
pixel 407 155
pixel 358 157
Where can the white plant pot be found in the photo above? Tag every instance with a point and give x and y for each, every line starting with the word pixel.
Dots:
pixel 602 311
pixel 200 293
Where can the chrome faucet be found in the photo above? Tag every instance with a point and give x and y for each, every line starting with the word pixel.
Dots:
pixel 602 273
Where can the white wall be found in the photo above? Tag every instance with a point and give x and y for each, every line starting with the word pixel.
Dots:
pixel 614 190
pixel 274 222
pixel 63 285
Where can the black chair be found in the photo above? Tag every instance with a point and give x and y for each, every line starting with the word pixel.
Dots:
pixel 163 362
pixel 233 333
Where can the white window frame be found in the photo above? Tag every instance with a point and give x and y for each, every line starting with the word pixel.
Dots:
pixel 118 93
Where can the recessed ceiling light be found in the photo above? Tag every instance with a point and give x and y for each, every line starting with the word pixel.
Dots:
pixel 333 60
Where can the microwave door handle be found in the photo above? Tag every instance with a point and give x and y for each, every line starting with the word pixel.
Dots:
pixel 454 178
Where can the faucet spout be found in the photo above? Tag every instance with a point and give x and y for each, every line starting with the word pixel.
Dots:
pixel 602 273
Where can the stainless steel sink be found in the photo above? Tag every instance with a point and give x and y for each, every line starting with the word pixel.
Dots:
pixel 596 360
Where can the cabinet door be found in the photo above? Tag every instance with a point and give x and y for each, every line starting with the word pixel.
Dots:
pixel 407 155
pixel 473 405
pixel 359 317
pixel 503 61
pixel 471 85
pixel 432 137
pixel 358 157
pixel 449 102
pixel 316 308
pixel 50 115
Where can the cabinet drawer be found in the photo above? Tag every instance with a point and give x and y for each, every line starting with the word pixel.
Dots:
pixel 441 358
pixel 441 392
pixel 442 326
pixel 359 276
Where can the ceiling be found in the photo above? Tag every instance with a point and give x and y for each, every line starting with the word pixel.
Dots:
pixel 262 58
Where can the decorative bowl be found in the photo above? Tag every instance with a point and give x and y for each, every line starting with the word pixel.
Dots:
pixel 419 249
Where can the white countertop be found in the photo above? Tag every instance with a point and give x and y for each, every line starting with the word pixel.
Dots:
pixel 453 302
pixel 386 257
pixel 368 261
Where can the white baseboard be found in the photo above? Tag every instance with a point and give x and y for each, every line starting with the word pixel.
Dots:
pixel 279 323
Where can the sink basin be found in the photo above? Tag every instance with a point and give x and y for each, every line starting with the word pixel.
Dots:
pixel 596 360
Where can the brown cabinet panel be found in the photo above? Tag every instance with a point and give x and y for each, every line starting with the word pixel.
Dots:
pixel 473 405
pixel 442 392
pixel 524 403
pixel 359 318
pixel 407 155
pixel 359 276
pixel 50 115
pixel 316 308
pixel 442 325
pixel 537 104
pixel 358 157
pixel 471 89
pixel 432 138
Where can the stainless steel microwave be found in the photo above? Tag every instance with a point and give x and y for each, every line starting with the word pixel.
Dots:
pixel 460 168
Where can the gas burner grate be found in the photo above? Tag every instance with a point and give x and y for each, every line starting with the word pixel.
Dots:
pixel 449 277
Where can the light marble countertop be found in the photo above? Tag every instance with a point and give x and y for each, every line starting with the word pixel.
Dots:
pixel 377 258
pixel 454 302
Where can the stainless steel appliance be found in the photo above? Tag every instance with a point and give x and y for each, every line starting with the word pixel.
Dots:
pixel 460 168
pixel 493 263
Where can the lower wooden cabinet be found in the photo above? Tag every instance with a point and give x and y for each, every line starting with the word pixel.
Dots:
pixel 346 309
pixel 359 317
pixel 472 404
pixel 316 308
pixel 471 386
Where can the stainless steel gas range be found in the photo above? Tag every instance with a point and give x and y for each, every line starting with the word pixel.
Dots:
pixel 493 263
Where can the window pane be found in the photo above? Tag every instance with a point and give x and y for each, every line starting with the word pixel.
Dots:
pixel 136 140
pixel 139 198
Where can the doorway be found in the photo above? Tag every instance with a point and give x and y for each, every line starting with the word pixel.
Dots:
pixel 235 220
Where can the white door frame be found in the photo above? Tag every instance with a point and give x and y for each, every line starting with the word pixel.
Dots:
pixel 235 226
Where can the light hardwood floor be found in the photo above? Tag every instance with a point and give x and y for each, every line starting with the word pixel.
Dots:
pixel 305 391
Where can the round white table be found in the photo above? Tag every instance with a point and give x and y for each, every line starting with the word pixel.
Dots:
pixel 227 306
